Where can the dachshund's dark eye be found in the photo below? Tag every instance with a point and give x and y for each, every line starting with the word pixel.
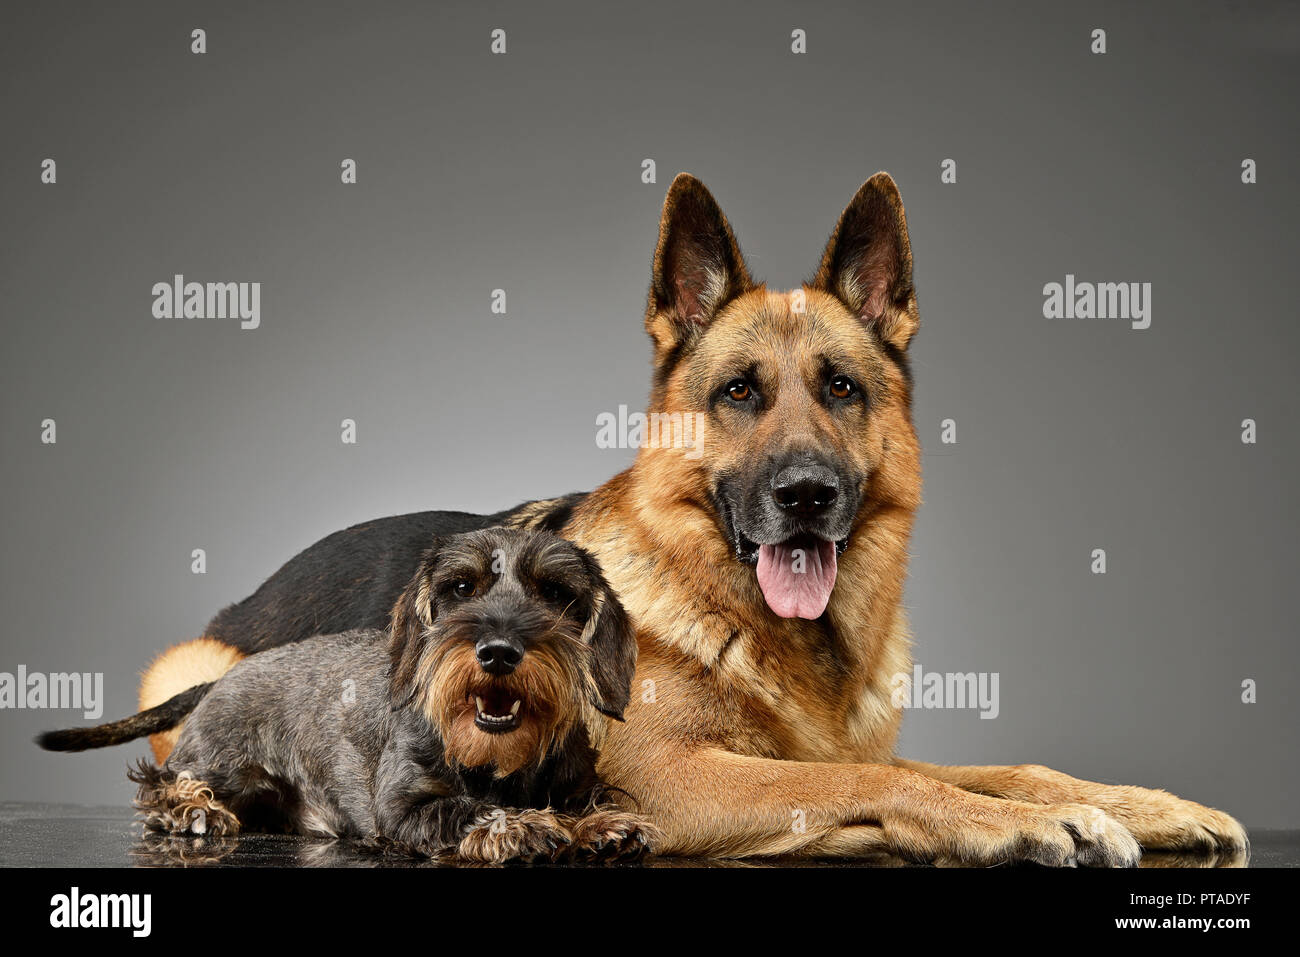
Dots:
pixel 555 592
pixel 842 387
pixel 739 391
pixel 464 589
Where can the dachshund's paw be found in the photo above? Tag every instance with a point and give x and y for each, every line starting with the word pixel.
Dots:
pixel 157 848
pixel 184 805
pixel 611 835
pixel 533 837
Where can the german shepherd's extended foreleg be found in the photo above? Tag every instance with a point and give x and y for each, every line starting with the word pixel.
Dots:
pixel 1158 819
pixel 713 802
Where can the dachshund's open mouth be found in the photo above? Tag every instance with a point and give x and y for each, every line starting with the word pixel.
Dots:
pixel 497 709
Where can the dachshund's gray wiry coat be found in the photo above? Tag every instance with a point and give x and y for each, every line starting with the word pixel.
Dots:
pixel 471 726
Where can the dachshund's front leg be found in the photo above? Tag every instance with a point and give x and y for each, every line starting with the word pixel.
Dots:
pixel 180 803
pixel 500 834
pixel 476 831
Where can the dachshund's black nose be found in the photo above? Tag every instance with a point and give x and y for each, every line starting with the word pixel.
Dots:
pixel 498 655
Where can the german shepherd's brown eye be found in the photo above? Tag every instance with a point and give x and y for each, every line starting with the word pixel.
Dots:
pixel 464 589
pixel 842 387
pixel 739 391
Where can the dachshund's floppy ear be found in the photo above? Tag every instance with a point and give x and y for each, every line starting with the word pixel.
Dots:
pixel 412 614
pixel 612 639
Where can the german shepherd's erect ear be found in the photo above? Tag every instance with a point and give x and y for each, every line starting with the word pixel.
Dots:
pixel 867 264
pixel 697 269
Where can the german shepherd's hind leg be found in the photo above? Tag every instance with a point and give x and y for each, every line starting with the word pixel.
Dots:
pixel 180 803
pixel 1159 820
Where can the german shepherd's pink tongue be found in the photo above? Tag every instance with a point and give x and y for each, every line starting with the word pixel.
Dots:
pixel 797 576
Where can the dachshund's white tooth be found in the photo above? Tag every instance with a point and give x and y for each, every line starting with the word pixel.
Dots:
pixel 479 703
pixel 514 708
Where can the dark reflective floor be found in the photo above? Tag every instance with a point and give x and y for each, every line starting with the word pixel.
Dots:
pixel 50 835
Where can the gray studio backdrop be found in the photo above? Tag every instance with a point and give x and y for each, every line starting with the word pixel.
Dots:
pixel 523 172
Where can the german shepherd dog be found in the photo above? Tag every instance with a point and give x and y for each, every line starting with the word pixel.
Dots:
pixel 764 572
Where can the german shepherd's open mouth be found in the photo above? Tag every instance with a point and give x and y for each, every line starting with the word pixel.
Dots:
pixel 793 536
pixel 798 575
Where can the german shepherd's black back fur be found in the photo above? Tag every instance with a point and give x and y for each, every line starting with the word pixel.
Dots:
pixel 351 579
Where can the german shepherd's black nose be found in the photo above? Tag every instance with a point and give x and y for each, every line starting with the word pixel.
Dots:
pixel 805 490
pixel 497 655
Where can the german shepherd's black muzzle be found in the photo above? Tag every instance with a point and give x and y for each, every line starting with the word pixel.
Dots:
pixel 791 519
pixel 805 491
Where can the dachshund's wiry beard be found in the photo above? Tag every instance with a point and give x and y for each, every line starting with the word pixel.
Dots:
pixel 553 684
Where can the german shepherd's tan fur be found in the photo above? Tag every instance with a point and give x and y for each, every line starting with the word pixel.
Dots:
pixel 752 734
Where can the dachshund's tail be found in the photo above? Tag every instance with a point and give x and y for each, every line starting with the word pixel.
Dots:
pixel 159 718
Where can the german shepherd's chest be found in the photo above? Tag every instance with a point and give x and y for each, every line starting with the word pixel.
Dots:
pixel 776 689
pixel 718 668
pixel 749 702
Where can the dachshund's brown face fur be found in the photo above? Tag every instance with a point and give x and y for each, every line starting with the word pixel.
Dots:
pixel 508 641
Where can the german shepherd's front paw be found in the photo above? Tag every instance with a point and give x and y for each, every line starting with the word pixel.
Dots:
pixel 1201 827
pixel 610 835
pixel 531 837
pixel 1162 822
pixel 1159 820
pixel 1099 839
pixel 1053 835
